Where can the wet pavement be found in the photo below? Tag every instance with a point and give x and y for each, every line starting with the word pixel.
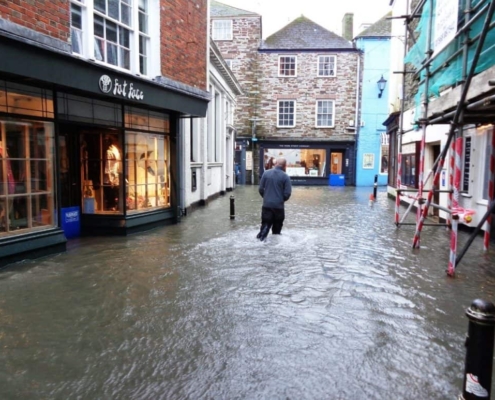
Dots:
pixel 337 307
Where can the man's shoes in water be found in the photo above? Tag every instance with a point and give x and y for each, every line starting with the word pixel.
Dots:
pixel 263 233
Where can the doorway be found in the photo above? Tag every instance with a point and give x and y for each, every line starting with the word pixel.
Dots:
pixel 436 195
pixel 68 166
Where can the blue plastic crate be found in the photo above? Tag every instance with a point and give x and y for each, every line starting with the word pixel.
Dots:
pixel 337 180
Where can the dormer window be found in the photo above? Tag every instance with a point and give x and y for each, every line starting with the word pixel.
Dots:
pixel 287 66
pixel 327 65
pixel 222 29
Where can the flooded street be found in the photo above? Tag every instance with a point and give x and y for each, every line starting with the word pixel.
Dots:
pixel 337 307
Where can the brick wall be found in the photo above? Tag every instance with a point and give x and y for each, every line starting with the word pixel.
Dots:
pixel 306 89
pixel 48 17
pixel 184 41
pixel 243 51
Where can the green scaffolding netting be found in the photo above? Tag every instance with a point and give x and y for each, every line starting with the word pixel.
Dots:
pixel 447 70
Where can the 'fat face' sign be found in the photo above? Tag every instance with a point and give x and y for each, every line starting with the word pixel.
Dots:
pixel 120 88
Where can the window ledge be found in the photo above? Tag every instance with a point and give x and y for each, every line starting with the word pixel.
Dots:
pixel 466 195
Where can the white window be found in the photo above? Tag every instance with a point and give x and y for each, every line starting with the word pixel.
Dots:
pixel 76 26
pixel 486 169
pixel 287 66
pixel 222 29
pixel 384 153
pixel 286 113
pixel 114 32
pixel 327 65
pixel 229 63
pixel 325 113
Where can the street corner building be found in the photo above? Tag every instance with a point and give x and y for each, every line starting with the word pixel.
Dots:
pixel 301 96
pixel 93 99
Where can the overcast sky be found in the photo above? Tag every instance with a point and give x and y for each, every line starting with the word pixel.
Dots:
pixel 327 13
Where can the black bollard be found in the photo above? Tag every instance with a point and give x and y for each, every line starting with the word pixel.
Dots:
pixel 375 186
pixel 232 207
pixel 479 351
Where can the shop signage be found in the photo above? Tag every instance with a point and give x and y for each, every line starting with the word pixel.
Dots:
pixel 120 88
pixel 446 16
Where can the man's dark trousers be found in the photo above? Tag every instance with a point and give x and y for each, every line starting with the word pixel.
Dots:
pixel 271 218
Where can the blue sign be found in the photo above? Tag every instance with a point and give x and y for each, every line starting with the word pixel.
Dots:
pixel 71 221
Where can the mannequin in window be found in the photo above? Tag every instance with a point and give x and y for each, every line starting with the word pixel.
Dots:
pixel 111 174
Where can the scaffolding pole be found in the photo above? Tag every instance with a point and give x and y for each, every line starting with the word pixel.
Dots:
pixel 455 130
pixel 491 194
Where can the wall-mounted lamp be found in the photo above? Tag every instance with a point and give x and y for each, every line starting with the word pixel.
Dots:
pixel 381 86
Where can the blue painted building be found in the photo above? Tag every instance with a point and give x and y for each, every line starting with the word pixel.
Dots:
pixel 372 143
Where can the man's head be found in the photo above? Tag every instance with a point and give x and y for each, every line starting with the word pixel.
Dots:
pixel 282 163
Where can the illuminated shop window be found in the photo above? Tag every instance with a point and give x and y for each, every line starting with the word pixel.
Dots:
pixel 300 162
pixel 26 176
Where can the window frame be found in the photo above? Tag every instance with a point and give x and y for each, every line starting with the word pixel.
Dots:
pixel 226 33
pixel 332 114
pixel 319 71
pixel 286 66
pixel 384 144
pixel 143 45
pixel 294 106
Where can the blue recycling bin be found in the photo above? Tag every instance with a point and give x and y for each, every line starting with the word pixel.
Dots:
pixel 71 221
pixel 336 180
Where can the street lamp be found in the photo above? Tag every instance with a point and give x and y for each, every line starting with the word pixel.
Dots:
pixel 381 86
pixel 253 139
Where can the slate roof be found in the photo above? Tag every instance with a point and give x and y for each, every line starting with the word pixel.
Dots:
pixel 382 28
pixel 223 10
pixel 304 34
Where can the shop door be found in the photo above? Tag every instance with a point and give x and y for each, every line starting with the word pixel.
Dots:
pixel 68 167
pixel 70 188
pixel 336 163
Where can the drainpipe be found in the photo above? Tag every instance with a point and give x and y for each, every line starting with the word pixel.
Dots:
pixel 356 118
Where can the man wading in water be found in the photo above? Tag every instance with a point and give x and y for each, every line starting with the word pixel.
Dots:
pixel 275 188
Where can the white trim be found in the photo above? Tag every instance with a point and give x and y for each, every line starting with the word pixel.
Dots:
pixel 333 114
pixel 334 66
pixel 294 114
pixel 153 35
pixel 295 66
pixel 230 35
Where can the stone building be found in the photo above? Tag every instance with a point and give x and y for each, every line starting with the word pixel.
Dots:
pixel 302 95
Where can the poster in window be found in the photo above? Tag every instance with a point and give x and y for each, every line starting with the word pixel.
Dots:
pixel 368 161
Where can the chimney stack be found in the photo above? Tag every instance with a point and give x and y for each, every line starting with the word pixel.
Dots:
pixel 348 26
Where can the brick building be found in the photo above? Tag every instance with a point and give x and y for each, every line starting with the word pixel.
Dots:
pixel 302 94
pixel 92 95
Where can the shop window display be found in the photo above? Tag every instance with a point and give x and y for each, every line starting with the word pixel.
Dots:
pixel 26 176
pixel 101 171
pixel 147 175
pixel 300 162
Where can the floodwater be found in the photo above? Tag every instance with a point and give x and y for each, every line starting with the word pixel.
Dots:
pixel 337 307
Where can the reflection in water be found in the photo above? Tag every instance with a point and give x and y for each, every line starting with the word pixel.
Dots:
pixel 337 307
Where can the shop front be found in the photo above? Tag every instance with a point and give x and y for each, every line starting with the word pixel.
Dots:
pixel 83 150
pixel 313 163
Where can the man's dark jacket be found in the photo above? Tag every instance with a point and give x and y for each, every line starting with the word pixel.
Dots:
pixel 275 188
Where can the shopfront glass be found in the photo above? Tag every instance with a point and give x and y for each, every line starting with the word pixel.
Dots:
pixel 147 174
pixel 26 176
pixel 26 160
pixel 300 162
